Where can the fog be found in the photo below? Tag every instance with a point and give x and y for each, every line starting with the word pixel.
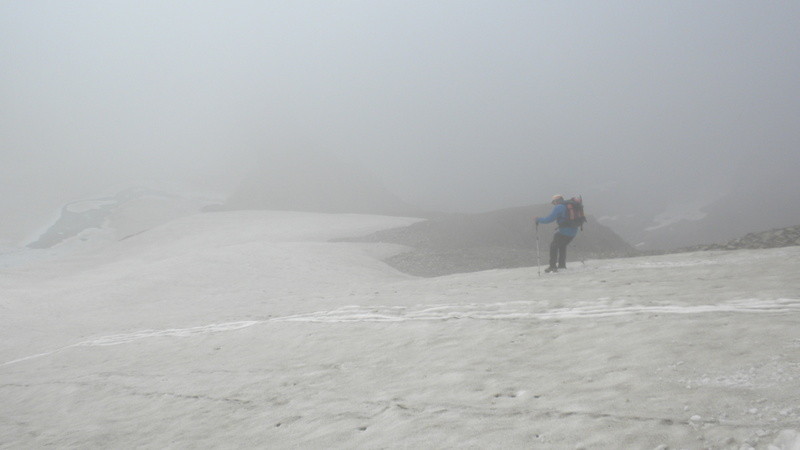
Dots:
pixel 454 106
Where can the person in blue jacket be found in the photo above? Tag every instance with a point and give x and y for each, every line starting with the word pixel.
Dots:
pixel 563 236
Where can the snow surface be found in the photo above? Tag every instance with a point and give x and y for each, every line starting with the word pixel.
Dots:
pixel 251 329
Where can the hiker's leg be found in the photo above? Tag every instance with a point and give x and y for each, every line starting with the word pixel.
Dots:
pixel 554 250
pixel 562 250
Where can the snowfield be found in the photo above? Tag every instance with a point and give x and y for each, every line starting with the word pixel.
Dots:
pixel 252 330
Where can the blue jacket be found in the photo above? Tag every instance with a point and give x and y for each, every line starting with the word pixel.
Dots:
pixel 559 214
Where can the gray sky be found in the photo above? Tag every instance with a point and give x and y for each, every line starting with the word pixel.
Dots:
pixel 455 105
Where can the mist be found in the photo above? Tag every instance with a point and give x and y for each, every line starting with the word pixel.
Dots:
pixel 453 106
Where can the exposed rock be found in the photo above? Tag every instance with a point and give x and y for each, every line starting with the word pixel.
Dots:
pixel 781 237
pixel 507 238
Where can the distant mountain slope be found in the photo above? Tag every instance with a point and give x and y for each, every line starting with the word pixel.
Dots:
pixel 129 211
pixel 500 239
pixel 763 195
pixel 728 218
pixel 311 184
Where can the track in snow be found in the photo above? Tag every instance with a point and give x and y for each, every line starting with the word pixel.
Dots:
pixel 526 311
pixel 476 311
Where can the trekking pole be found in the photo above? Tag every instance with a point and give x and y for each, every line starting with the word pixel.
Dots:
pixel 538 266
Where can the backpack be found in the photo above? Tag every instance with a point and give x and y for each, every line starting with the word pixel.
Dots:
pixel 575 217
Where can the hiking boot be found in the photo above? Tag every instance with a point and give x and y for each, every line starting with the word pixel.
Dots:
pixel 551 269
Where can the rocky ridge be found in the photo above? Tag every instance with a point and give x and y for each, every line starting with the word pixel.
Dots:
pixel 506 239
pixel 458 243
pixel 778 237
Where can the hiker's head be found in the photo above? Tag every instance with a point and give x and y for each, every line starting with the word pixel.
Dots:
pixel 557 199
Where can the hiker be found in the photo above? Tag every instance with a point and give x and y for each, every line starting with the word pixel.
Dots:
pixel 564 234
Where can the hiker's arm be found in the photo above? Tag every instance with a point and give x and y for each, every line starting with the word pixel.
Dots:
pixel 553 215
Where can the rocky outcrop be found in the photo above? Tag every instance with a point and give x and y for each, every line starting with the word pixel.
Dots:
pixel 781 237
